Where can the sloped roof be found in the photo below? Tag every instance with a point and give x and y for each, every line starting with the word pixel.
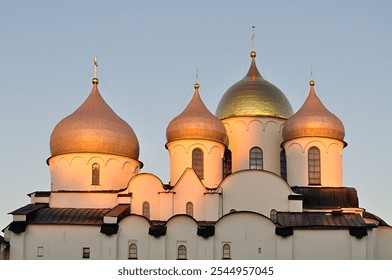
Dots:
pixel 328 197
pixel 320 220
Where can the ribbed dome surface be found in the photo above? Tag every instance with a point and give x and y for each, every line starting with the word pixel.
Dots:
pixel 94 128
pixel 196 122
pixel 313 119
pixel 254 97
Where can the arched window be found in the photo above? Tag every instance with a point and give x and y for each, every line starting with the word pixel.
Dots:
pixel 146 209
pixel 181 252
pixel 132 251
pixel 314 166
pixel 189 208
pixel 256 158
pixel 226 251
pixel 227 166
pixel 283 165
pixel 198 162
pixel 95 174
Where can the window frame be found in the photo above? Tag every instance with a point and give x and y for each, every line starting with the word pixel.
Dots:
pixel 181 252
pixel 283 165
pixel 227 163
pixel 226 251
pixel 132 251
pixel 256 158
pixel 86 252
pixel 95 174
pixel 146 209
pixel 198 162
pixel 314 166
pixel 189 208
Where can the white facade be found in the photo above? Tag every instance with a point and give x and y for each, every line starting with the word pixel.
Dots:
pixel 101 207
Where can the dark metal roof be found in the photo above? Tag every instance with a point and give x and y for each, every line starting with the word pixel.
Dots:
pixel 120 211
pixel 320 220
pixel 73 216
pixel 40 194
pixel 375 217
pixel 28 209
pixel 328 197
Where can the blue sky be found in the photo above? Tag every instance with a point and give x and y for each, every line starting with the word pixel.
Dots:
pixel 148 53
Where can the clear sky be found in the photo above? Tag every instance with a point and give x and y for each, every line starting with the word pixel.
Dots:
pixel 148 53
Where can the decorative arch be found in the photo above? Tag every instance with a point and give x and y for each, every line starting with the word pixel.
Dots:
pixel 316 143
pixel 60 160
pixel 255 122
pixel 113 159
pixel 274 123
pixel 76 158
pixel 239 122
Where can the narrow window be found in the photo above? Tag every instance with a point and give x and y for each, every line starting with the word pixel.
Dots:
pixel 197 162
pixel 40 251
pixel 274 215
pixel 181 252
pixel 256 158
pixel 314 166
pixel 283 165
pixel 146 209
pixel 132 251
pixel 226 251
pixel 86 253
pixel 95 174
pixel 227 165
pixel 189 208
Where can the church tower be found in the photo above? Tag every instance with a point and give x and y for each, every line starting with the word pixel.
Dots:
pixel 92 150
pixel 196 139
pixel 314 141
pixel 253 111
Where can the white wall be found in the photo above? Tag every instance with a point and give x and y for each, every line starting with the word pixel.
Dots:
pixel 247 132
pixel 134 229
pixel 251 236
pixel 146 188
pixel 180 153
pixel 385 243
pixel 255 190
pixel 321 244
pixel 62 242
pixel 331 161
pixel 73 172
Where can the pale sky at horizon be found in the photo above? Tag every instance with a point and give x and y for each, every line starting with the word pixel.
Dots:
pixel 148 53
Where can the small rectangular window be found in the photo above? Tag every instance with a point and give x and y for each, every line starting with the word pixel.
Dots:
pixel 40 251
pixel 86 252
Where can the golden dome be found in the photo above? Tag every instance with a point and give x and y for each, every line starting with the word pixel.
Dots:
pixel 313 119
pixel 196 122
pixel 94 128
pixel 254 97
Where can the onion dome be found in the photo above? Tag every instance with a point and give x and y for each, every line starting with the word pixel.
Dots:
pixel 94 128
pixel 313 119
pixel 253 96
pixel 196 122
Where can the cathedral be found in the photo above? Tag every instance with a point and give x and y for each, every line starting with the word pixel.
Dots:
pixel 255 180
